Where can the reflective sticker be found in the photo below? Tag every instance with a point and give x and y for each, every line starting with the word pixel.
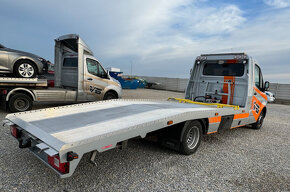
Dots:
pixel 241 115
pixel 56 162
pixel 108 146
pixel 214 119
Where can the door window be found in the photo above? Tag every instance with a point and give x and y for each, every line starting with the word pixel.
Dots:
pixel 95 68
pixel 70 62
pixel 102 72
pixel 92 66
pixel 258 77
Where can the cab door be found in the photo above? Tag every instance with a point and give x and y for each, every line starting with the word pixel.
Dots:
pixel 259 97
pixel 94 80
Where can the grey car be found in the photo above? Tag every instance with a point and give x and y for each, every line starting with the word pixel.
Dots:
pixel 20 63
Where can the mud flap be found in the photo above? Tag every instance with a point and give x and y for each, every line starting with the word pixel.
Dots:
pixel 3 103
pixel 226 123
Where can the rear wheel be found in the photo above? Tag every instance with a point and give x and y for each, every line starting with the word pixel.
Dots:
pixel 259 121
pixel 191 138
pixel 110 95
pixel 25 69
pixel 20 102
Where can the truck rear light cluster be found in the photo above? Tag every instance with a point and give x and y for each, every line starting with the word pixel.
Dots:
pixel 15 131
pixel 55 163
pixel 3 91
pixel 201 58
pixel 50 83
pixel 241 57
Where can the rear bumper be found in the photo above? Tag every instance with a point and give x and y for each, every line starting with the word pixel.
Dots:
pixel 40 150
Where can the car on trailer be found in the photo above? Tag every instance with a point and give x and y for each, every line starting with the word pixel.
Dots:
pixel 21 64
pixel 78 77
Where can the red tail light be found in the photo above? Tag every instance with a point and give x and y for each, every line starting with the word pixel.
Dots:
pixel 14 131
pixel 4 91
pixel 232 61
pixel 55 163
pixel 50 83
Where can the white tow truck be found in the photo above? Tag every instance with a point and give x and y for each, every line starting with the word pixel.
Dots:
pixel 78 77
pixel 225 91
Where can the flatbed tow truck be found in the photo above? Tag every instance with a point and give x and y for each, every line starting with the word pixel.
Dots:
pixel 78 77
pixel 225 91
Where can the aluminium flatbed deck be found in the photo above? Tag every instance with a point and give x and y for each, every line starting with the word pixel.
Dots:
pixel 28 82
pixel 101 125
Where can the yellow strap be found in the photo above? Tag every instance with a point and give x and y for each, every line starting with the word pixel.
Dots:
pixel 218 105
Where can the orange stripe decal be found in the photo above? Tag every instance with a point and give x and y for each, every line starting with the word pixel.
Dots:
pixel 231 80
pixel 261 93
pixel 257 107
pixel 215 119
pixel 212 132
pixel 241 115
pixel 237 126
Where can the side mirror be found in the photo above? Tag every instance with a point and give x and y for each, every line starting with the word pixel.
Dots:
pixel 104 75
pixel 267 85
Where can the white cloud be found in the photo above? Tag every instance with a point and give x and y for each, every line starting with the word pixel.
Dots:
pixel 278 3
pixel 214 20
pixel 168 27
pixel 160 37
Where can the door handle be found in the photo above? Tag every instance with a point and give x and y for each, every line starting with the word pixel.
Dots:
pixel 89 79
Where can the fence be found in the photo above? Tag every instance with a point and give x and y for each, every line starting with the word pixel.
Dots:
pixel 167 83
pixel 281 91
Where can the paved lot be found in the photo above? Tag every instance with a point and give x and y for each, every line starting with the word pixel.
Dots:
pixel 238 160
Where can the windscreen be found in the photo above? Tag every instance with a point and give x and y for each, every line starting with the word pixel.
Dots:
pixel 226 69
pixel 70 62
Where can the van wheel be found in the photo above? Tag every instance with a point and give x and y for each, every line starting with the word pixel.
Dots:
pixel 259 122
pixel 25 69
pixel 191 138
pixel 20 102
pixel 110 95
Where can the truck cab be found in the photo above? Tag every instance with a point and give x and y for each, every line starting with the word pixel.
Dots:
pixel 230 79
pixel 76 68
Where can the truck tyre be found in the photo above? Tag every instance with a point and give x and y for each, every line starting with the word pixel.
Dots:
pixel 25 69
pixel 110 95
pixel 191 138
pixel 259 121
pixel 20 102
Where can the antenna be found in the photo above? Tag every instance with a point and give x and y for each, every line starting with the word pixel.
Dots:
pixel 131 67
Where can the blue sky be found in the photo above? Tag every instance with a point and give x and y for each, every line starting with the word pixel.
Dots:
pixel 159 38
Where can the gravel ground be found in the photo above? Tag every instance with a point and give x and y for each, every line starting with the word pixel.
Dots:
pixel 238 160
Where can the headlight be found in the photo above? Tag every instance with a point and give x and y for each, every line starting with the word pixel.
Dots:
pixel 41 59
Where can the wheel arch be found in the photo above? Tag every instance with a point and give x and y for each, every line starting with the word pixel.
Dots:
pixel 111 91
pixel 264 110
pixel 20 90
pixel 203 122
pixel 25 59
